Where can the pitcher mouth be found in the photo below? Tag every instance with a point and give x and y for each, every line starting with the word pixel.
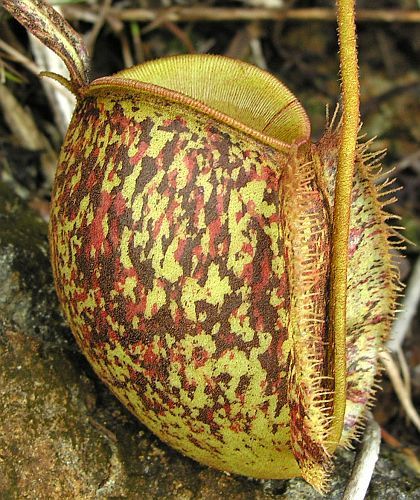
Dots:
pixel 233 92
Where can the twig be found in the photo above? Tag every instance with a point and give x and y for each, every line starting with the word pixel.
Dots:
pixel 374 103
pixel 402 393
pixel 98 25
pixel 399 330
pixel 19 57
pixel 265 3
pixel 406 453
pixel 2 72
pixel 103 430
pixel 409 308
pixel 218 14
pixel 239 45
pixel 365 462
pixel 137 42
pixel 412 160
pixel 14 74
pixel 126 50
pixel 24 128
pixel 256 46
pixel 117 26
pixel 181 35
pixel 405 371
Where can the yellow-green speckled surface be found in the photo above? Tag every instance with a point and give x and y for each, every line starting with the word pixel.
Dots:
pixel 192 264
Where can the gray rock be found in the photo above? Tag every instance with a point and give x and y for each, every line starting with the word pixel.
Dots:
pixel 63 435
pixel 27 296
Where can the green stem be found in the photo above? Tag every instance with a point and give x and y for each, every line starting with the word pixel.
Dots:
pixel 342 204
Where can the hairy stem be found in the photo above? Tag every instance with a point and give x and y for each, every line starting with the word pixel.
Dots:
pixel 342 203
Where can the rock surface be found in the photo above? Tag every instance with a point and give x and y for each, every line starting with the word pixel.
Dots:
pixel 63 435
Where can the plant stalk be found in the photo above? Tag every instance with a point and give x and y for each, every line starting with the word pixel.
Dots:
pixel 342 202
